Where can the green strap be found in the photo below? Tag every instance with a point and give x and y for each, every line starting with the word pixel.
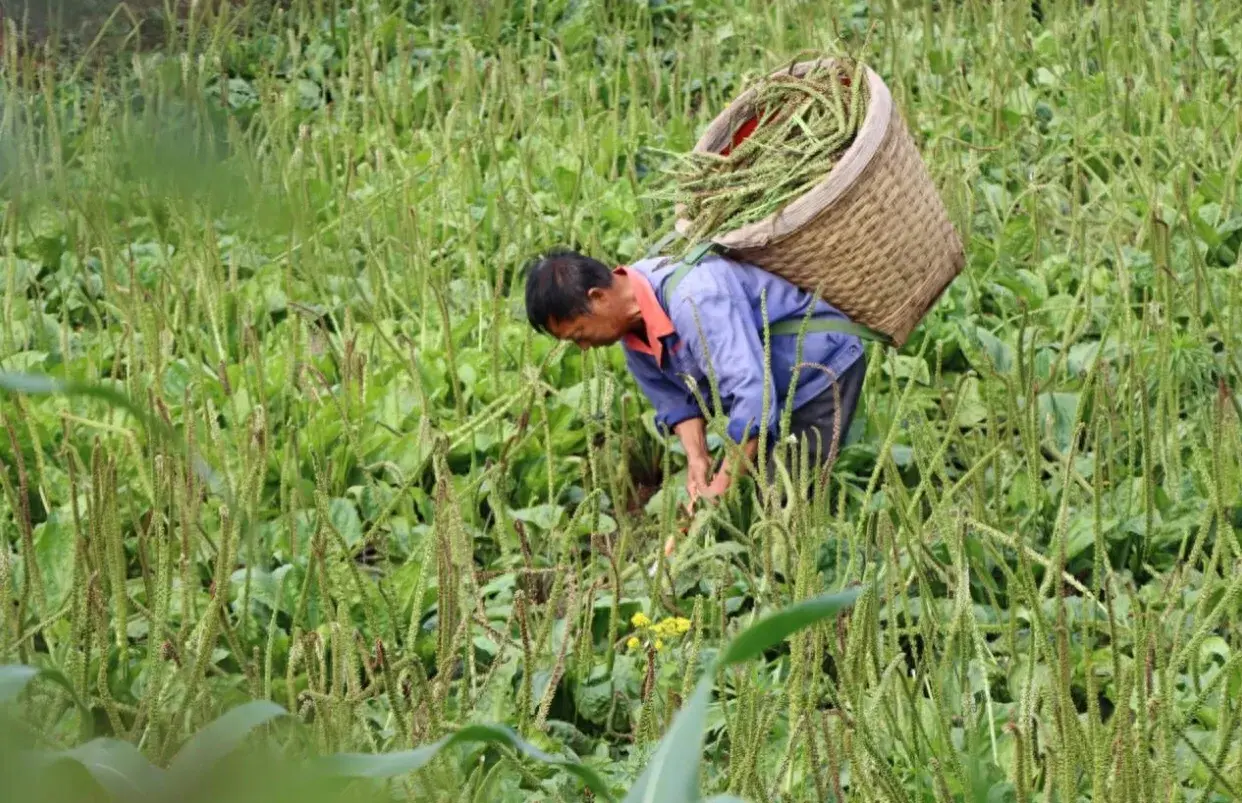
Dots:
pixel 662 243
pixel 792 327
pixel 687 264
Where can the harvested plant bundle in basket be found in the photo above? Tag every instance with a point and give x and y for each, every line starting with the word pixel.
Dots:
pixel 811 174
pixel 802 126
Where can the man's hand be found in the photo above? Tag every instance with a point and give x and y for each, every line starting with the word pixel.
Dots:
pixel 693 435
pixel 719 484
pixel 724 477
pixel 696 480
pixel 697 487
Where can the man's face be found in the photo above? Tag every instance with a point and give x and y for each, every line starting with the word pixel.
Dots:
pixel 600 326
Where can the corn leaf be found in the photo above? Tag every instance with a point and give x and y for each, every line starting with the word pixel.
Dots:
pixel 116 766
pixel 777 627
pixel 389 765
pixel 672 776
pixel 220 738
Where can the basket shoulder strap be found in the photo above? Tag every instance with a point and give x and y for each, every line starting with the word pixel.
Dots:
pixel 687 264
pixel 793 327
pixel 656 249
pixel 670 286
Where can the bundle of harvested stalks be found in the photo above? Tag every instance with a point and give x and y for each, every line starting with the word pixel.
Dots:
pixel 801 127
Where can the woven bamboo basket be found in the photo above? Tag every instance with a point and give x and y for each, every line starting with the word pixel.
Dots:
pixel 873 238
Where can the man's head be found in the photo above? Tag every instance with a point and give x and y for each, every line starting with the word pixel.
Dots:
pixel 574 297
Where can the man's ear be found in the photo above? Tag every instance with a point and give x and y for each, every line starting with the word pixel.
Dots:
pixel 596 295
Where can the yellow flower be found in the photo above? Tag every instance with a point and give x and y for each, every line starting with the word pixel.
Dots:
pixel 640 620
pixel 659 645
pixel 671 627
pixel 633 643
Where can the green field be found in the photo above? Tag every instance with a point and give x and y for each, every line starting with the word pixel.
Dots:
pixel 352 481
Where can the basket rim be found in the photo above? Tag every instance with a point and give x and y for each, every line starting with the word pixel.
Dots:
pixel 802 210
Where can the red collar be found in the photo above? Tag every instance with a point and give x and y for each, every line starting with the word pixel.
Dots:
pixel 655 319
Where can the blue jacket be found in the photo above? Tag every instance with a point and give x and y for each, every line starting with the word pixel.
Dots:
pixel 727 297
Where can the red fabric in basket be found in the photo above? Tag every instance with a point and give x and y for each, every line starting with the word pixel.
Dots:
pixel 750 125
pixel 745 131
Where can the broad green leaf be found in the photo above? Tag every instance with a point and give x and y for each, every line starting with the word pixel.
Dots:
pixel 593 700
pixel 904 366
pixel 1080 534
pixel 273 589
pixel 344 517
pixel 546 517
pixel 23 360
pixel 177 377
pixel 309 95
pixel 971 410
pixel 566 183
pixel 998 355
pixel 1028 286
pixel 1059 412
pixel 1214 645
pixel 55 542
pixel 22 273
pixel 221 737
pixel 390 765
pixel 29 384
pixel 903 455
pixel 1082 356
pixel 119 768
pixel 605 524
pixel 44 385
pixel 296 536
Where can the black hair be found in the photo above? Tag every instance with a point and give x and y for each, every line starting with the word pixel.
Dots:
pixel 557 284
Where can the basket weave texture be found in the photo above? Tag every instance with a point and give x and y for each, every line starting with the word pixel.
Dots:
pixel 873 238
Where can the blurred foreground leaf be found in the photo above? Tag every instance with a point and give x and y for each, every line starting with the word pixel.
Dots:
pixel 13 681
pixel 118 767
pixel 219 739
pixel 389 765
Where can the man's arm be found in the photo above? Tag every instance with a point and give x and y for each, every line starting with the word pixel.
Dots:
pixel 693 435
pixel 730 348
pixel 676 409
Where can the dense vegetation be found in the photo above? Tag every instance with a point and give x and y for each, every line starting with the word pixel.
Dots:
pixel 355 484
